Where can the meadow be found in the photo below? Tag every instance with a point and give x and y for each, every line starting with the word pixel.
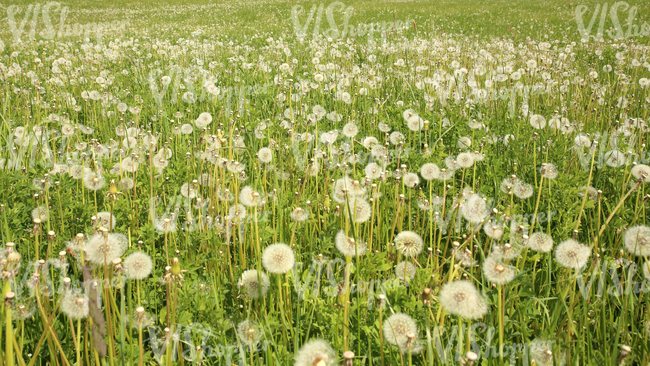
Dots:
pixel 319 184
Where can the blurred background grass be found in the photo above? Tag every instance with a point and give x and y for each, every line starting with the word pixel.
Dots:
pixel 512 19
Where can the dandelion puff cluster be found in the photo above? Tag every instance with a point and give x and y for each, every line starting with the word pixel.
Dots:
pixel 409 243
pixel 522 190
pixel 475 209
pixel 299 214
pixel 429 171
pixel 74 304
pixel 254 284
pixel 540 242
pixel 637 240
pixel 465 159
pixel 541 352
pixel 411 180
pixel 103 248
pixel 572 254
pixel 405 270
pixel 373 171
pixel 106 219
pixel 316 352
pixel 497 272
pixel 348 246
pixel 361 210
pixel 397 326
pixel 548 171
pixel 463 299
pixel 138 265
pixel 493 229
pixel 42 213
pixel 265 155
pixel 278 258
pixel 249 332
pixel 641 172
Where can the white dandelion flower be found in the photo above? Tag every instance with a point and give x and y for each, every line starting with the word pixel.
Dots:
pixel 571 254
pixel 278 258
pixel 463 299
pixel 409 243
pixel 254 284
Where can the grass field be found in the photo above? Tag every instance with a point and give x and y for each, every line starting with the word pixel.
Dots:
pixel 318 184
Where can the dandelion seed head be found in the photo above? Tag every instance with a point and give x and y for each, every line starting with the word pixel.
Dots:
pixel 138 265
pixel 548 171
pixel 429 171
pixel 74 305
pixel 299 214
pixel 42 213
pixel 493 229
pixel 103 248
pixel 405 270
pixel 642 172
pixel 249 332
pixel 572 254
pixel 106 220
pixel 474 209
pixel 540 242
pixel 316 352
pixel 522 190
pixel 251 286
pixel 637 240
pixel 361 210
pixel 397 326
pixel 540 351
pixel 409 243
pixel 465 159
pixel 265 155
pixel 496 271
pixel 411 180
pixel 278 258
pixel 463 299
pixel 348 246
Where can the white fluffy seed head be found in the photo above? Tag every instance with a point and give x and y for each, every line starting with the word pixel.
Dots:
pixel 463 299
pixel 361 210
pixel 411 180
pixel 541 352
pixel 522 190
pixel 348 246
pixel 373 171
pixel 107 220
pixel 493 230
pixel 409 243
pixel 405 270
pixel 475 209
pixel 571 254
pixel 429 171
pixel 74 304
pixel 465 159
pixel 316 352
pixel 278 258
pixel 642 172
pixel 549 171
pixel 637 240
pixel 497 272
pixel 102 249
pixel 138 265
pixel 254 284
pixel 397 326
pixel 265 155
pixel 249 332
pixel 540 242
